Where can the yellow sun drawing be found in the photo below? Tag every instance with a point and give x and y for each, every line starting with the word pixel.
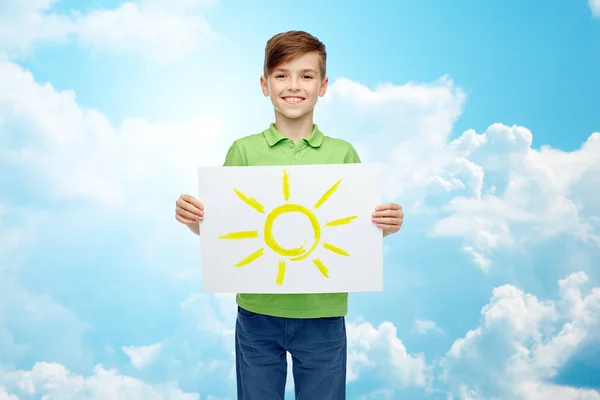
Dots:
pixel 294 254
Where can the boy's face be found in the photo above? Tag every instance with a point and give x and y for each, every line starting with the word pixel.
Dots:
pixel 294 87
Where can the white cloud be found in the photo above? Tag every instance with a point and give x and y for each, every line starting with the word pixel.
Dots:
pixel 380 349
pixel 14 235
pixel 161 34
pixel 73 153
pixel 523 341
pixel 147 27
pixel 595 7
pixel 142 356
pixel 4 395
pixel 481 260
pixel 380 394
pixel 24 313
pixel 47 133
pixel 201 347
pixel 536 390
pixel 407 127
pixel 52 381
pixel 24 24
pixel 425 326
pixel 491 190
pixel 218 311
pixel 547 193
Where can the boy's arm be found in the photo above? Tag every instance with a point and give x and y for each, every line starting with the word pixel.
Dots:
pixel 233 158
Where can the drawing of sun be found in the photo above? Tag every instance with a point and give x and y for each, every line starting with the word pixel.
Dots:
pixel 290 254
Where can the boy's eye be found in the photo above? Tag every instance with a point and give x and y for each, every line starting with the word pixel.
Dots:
pixel 279 76
pixel 307 77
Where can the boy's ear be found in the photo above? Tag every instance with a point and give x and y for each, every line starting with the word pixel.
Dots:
pixel 264 84
pixel 323 87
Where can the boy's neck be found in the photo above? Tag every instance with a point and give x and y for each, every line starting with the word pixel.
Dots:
pixel 294 129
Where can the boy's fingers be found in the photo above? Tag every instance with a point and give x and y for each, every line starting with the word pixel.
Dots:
pixel 197 203
pixel 192 200
pixel 388 206
pixel 189 207
pixel 184 220
pixel 188 215
pixel 388 213
pixel 388 227
pixel 386 221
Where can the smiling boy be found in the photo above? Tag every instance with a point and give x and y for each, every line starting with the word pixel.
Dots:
pixel 311 327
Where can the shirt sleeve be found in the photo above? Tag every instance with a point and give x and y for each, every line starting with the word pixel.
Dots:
pixel 234 157
pixel 351 156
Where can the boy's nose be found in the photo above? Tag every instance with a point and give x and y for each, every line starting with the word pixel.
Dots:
pixel 294 85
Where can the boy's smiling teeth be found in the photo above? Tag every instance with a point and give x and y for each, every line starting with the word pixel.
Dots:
pixel 293 99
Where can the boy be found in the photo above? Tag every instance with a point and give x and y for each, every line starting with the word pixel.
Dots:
pixel 311 327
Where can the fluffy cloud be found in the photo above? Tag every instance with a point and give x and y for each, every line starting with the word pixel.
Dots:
pixel 595 7
pixel 200 349
pixel 532 195
pixel 407 127
pixel 66 155
pixel 146 27
pixel 47 134
pixel 141 356
pixel 4 395
pixel 425 326
pixel 219 312
pixel 24 24
pixel 490 190
pixel 161 34
pixel 380 349
pixel 16 226
pixel 523 341
pixel 24 313
pixel 52 381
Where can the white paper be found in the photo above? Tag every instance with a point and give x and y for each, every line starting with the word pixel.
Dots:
pixel 311 266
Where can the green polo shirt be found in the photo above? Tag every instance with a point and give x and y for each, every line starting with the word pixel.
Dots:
pixel 270 147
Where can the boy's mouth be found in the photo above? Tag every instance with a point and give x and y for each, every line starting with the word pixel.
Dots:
pixel 293 99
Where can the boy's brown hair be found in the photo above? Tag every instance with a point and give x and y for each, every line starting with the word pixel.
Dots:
pixel 287 46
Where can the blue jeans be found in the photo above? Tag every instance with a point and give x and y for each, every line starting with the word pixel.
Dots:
pixel 318 348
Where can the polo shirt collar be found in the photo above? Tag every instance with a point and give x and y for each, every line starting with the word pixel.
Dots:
pixel 273 136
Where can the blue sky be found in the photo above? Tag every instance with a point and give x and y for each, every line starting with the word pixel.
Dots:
pixel 485 117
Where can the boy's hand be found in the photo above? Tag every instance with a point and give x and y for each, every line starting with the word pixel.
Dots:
pixel 188 210
pixel 389 218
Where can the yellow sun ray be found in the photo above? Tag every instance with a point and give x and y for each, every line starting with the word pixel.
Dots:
pixel 280 273
pixel 341 221
pixel 250 201
pixel 321 267
pixel 337 250
pixel 250 258
pixel 294 254
pixel 327 194
pixel 286 186
pixel 240 235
